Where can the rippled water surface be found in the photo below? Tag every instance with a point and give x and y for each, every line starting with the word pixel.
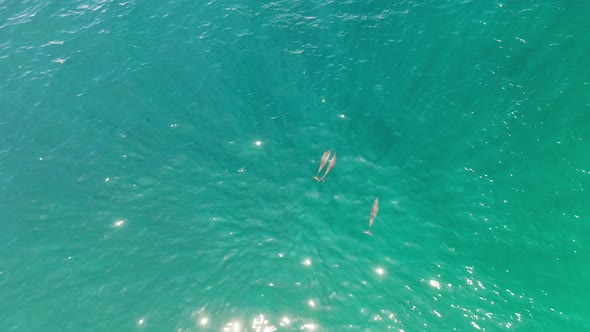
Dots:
pixel 156 163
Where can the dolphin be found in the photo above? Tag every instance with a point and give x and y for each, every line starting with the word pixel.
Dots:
pixel 323 162
pixel 330 166
pixel 374 210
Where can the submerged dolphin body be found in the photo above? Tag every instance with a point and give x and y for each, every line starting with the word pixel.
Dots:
pixel 374 211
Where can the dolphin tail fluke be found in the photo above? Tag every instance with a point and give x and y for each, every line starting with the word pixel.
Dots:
pixel 318 179
pixel 368 232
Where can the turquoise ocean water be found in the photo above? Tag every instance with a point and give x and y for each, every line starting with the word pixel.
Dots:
pixel 134 195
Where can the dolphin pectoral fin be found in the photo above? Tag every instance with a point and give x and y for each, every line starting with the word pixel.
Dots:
pixel 368 232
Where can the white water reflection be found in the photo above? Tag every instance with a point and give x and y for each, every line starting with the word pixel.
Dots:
pixel 232 327
pixel 285 321
pixel 259 323
pixel 310 327
pixel 435 284
pixel 380 271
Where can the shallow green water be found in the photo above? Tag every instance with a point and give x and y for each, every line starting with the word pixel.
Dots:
pixel 134 197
